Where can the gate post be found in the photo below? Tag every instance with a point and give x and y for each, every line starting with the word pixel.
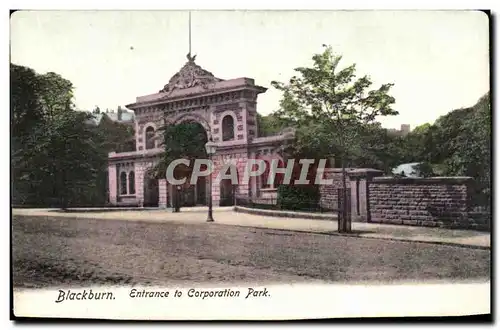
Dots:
pixel 344 211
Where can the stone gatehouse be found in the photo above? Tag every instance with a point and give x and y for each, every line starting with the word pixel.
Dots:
pixel 227 110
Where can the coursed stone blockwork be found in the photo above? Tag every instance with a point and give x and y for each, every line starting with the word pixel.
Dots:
pixel 329 193
pixel 436 202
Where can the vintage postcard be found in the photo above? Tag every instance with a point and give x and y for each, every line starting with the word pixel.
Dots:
pixel 250 165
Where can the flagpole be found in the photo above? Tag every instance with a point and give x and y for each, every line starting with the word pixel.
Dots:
pixel 190 32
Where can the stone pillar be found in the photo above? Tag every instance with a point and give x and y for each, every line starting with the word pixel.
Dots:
pixel 243 189
pixel 112 184
pixel 217 162
pixel 162 189
pixel 252 181
pixel 139 183
pixel 359 179
pixel 215 190
pixel 354 190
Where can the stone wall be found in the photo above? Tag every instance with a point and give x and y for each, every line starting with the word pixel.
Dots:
pixel 328 193
pixel 435 202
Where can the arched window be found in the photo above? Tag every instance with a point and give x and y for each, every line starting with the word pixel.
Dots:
pixel 150 134
pixel 131 183
pixel 265 176
pixel 123 183
pixel 278 177
pixel 227 128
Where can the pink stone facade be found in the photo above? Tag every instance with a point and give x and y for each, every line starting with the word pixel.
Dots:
pixel 193 94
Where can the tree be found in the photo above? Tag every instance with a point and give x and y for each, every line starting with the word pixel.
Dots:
pixel 462 144
pixel 75 158
pixel 25 105
pixel 56 93
pixel 270 124
pixel 457 144
pixel 26 113
pixel 375 147
pixel 118 137
pixel 183 140
pixel 327 94
pixel 56 155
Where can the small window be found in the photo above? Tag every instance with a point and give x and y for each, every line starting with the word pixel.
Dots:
pixel 123 183
pixel 150 134
pixel 131 183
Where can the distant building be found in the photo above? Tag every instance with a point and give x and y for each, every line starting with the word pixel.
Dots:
pixel 122 115
pixel 403 131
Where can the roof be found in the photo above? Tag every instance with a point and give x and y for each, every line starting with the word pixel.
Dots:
pixel 193 80
pixel 408 170
pixel 127 116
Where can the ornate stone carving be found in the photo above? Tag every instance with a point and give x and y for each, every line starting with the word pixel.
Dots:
pixel 190 75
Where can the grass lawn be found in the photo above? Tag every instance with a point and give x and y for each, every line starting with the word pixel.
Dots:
pixel 66 252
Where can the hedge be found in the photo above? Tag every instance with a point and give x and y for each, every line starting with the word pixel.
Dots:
pixel 299 197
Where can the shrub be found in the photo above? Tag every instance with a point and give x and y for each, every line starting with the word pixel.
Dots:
pixel 299 197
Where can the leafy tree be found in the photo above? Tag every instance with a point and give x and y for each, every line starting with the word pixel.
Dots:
pixel 457 144
pixel 270 124
pixel 463 143
pixel 327 94
pixel 118 137
pixel 56 155
pixel 375 147
pixel 424 169
pixel 74 158
pixel 25 105
pixel 184 140
pixel 56 93
pixel 26 113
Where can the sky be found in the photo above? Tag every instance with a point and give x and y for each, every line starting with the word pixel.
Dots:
pixel 437 60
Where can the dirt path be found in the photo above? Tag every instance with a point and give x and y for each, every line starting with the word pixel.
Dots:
pixel 54 251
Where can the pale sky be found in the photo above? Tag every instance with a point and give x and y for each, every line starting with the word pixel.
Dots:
pixel 438 61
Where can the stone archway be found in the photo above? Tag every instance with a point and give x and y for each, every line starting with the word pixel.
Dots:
pixel 227 193
pixel 191 194
pixel 151 190
pixel 192 117
pixel 227 188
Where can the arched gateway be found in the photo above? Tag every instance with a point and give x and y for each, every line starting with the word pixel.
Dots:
pixel 227 110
